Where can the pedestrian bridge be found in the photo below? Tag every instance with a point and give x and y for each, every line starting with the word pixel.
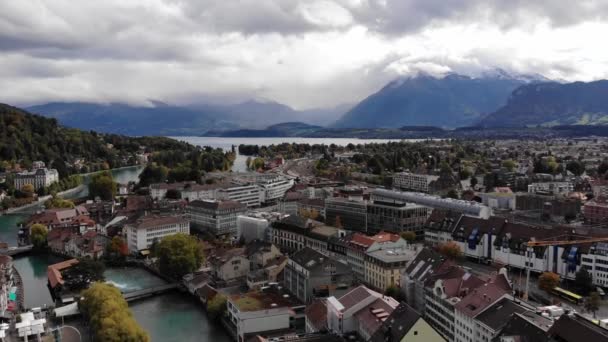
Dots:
pixel 136 295
pixel 16 250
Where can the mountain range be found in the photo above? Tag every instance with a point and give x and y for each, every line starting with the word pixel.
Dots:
pixel 494 99
pixel 552 104
pixel 163 119
pixel 450 101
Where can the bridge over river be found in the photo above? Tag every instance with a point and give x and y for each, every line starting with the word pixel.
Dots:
pixel 151 291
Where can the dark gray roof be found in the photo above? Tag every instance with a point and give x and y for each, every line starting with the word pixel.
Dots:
pixel 526 327
pixel 311 260
pixel 397 325
pixel 425 263
pixel 218 205
pixel 497 315
pixel 575 329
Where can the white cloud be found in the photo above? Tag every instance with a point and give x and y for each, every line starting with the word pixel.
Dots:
pixel 303 53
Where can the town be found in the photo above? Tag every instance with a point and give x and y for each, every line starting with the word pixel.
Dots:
pixel 441 240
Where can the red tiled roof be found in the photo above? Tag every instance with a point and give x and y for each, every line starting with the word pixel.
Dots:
pixel 54 271
pixel 354 297
pixel 316 314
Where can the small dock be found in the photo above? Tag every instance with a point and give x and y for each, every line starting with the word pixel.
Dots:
pixel 136 295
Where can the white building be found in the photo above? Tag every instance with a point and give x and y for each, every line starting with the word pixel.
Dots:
pixel 39 178
pixel 142 233
pixel 274 187
pixel 551 188
pixel 361 310
pixel 249 194
pixel 219 217
pixel 254 225
pixel 413 182
pixel 258 312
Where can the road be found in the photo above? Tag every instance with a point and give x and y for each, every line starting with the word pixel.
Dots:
pixel 518 277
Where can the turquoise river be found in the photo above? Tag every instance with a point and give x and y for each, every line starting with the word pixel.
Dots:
pixel 170 317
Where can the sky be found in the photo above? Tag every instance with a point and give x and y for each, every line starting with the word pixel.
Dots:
pixel 303 53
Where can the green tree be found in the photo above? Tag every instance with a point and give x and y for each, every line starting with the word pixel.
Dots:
pixel 408 236
pixel 473 181
pixel 178 255
pixel 216 306
pixel 602 168
pixel 509 164
pixel 576 167
pixel 393 291
pixel 583 281
pixel 593 303
pixel 102 185
pixel 548 281
pixel 57 202
pixel 109 315
pixel 38 234
pixel 452 194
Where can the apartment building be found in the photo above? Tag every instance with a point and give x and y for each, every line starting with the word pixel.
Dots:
pixel 147 229
pixel 229 264
pixel 359 311
pixel 383 265
pixel 289 233
pixel 413 182
pixel 347 214
pixel 260 312
pixel 396 217
pixel 414 277
pixel 217 217
pixel 551 188
pixel 596 211
pixel 358 245
pixel 310 274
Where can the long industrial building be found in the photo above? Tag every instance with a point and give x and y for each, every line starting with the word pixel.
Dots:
pixel 466 207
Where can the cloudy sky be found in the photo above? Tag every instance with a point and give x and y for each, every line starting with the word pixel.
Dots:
pixel 304 53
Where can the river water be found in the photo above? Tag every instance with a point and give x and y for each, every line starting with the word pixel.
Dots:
pixel 170 317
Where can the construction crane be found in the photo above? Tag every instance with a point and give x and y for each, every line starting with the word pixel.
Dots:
pixel 532 244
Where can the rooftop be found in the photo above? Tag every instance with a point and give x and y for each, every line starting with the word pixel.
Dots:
pixel 263 300
pixel 575 328
pixel 154 221
pixel 217 205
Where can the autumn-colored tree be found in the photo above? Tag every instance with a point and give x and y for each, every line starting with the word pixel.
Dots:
pixel 38 234
pixel 312 214
pixel 408 236
pixel 548 281
pixel 118 248
pixel 450 250
pixel 338 222
pixel 109 315
pixel 28 190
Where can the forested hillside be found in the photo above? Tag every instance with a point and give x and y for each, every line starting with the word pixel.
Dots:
pixel 25 137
